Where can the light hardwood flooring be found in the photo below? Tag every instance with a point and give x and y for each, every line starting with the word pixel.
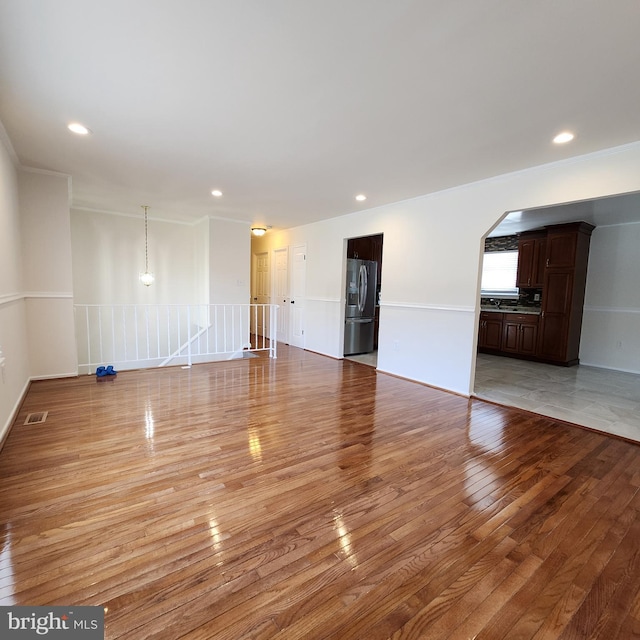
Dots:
pixel 597 398
pixel 311 498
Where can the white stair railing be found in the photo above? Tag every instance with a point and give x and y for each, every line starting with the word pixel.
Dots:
pixel 141 336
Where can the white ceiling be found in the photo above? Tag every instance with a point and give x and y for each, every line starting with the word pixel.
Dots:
pixel 613 210
pixel 292 107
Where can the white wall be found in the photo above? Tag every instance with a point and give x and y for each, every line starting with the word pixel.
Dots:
pixel 193 263
pixel 14 375
pixel 229 262
pixel 611 322
pixel 46 256
pixel 431 256
pixel 108 258
pixel 201 256
pixel 229 273
pixel 201 263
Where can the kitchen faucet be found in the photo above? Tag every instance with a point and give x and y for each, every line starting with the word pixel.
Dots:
pixel 494 302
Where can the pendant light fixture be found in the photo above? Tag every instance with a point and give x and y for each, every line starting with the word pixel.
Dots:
pixel 147 277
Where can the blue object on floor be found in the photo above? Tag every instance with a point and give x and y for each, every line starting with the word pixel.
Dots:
pixel 101 371
pixel 110 371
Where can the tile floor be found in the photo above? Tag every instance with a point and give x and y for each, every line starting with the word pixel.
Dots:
pixel 597 398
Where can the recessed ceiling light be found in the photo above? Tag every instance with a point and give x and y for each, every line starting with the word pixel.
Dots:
pixel 78 128
pixel 565 136
pixel 360 197
pixel 216 192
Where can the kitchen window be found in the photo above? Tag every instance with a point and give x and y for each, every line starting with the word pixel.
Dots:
pixel 499 271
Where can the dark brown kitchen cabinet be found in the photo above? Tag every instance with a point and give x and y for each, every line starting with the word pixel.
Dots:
pixel 553 260
pixel 561 249
pixel 555 317
pixel 520 334
pixel 531 260
pixel 565 277
pixel 490 331
pixel 361 248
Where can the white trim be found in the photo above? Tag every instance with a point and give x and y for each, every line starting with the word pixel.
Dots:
pixel 47 294
pixel 39 295
pixel 212 217
pixel 10 297
pixel 618 224
pixel 322 353
pixel 55 376
pixel 423 383
pixel 154 304
pixel 535 170
pixel 45 172
pixel 613 309
pixel 13 414
pixel 334 300
pixel 6 141
pixel 187 223
pixel 136 216
pixel 428 307
pixel 602 366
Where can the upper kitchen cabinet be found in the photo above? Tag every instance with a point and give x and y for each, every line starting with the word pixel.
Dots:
pixel 565 277
pixel 360 248
pixel 561 248
pixel 531 259
pixel 367 248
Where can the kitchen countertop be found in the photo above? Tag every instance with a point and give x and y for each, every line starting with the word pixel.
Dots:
pixel 528 310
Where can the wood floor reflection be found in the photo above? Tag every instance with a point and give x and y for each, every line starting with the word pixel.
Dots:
pixel 313 498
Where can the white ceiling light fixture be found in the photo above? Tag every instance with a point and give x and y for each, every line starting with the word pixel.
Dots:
pixel 147 277
pixel 258 231
pixel 216 192
pixel 78 128
pixel 564 137
pixel 361 197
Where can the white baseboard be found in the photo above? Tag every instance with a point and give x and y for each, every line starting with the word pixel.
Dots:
pixel 54 376
pixel 603 366
pixel 13 414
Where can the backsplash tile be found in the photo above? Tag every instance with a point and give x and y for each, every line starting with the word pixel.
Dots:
pixel 525 299
pixel 502 243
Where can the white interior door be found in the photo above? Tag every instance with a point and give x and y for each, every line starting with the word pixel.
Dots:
pixel 296 303
pixel 281 292
pixel 260 319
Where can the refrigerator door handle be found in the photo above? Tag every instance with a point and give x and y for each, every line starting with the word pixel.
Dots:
pixel 362 288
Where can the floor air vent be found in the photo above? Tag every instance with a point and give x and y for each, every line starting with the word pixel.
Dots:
pixel 36 418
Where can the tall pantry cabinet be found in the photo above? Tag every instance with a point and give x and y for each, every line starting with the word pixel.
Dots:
pixel 565 276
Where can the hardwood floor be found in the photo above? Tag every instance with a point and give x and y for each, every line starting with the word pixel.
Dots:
pixel 312 498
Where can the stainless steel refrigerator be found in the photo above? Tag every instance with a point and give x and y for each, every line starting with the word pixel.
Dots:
pixel 360 306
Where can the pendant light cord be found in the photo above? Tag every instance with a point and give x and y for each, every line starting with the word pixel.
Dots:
pixel 146 241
